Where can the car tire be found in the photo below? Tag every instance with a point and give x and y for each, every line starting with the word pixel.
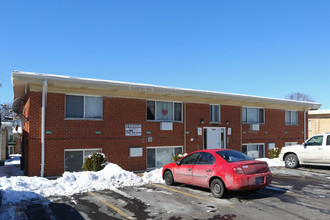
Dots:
pixel 168 177
pixel 291 161
pixel 218 189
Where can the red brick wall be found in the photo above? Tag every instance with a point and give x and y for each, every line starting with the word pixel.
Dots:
pixel 80 134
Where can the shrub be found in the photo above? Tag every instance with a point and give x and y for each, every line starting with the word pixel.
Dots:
pixel 274 153
pixel 177 157
pixel 94 162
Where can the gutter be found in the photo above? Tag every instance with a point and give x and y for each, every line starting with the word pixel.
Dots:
pixel 44 100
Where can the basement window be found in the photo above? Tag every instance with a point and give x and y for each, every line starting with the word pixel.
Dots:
pixel 83 107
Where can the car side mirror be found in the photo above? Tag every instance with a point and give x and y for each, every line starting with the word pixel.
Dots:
pixel 178 163
pixel 305 145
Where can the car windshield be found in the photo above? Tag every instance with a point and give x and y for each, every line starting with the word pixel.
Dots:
pixel 233 156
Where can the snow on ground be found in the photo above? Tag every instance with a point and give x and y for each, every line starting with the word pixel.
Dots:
pixel 273 162
pixel 17 188
pixel 12 166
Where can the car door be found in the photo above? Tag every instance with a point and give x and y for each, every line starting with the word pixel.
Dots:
pixel 326 150
pixel 183 172
pixel 312 151
pixel 203 170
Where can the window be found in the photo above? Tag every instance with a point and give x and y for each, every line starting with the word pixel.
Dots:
pixel 254 150
pixel 328 140
pixel 74 159
pixel 215 113
pixel 206 159
pixel 159 156
pixel 315 141
pixel 83 107
pixel 164 111
pixel 190 159
pixel 233 156
pixel 253 115
pixel 291 117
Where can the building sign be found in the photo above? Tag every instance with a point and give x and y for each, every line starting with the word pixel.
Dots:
pixel 133 130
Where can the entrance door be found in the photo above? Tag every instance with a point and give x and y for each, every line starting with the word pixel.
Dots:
pixel 214 138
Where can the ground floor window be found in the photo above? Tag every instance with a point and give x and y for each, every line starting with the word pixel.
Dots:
pixel 254 150
pixel 74 158
pixel 159 156
pixel 10 149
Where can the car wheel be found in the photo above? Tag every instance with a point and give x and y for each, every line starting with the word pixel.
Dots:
pixel 168 177
pixel 291 161
pixel 217 188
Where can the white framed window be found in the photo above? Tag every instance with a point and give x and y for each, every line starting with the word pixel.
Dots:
pixel 164 111
pixel 291 117
pixel 253 115
pixel 74 158
pixel 214 113
pixel 83 107
pixel 254 150
pixel 159 156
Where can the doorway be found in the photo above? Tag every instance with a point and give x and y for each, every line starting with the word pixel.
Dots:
pixel 214 137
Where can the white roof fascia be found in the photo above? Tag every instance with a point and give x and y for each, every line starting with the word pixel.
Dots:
pixel 39 77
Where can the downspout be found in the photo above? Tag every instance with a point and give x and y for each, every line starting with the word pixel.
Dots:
pixel 184 128
pixel 305 126
pixel 44 95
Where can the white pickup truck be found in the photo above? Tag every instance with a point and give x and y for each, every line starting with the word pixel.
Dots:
pixel 314 151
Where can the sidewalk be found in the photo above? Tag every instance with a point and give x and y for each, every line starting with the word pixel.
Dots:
pixel 12 166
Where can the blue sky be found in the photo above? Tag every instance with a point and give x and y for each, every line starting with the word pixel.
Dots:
pixel 262 48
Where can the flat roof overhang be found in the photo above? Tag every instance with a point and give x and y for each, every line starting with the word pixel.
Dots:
pixel 26 81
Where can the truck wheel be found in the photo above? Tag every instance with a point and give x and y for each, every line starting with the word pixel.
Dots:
pixel 291 161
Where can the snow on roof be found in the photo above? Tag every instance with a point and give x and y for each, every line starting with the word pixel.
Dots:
pixel 20 76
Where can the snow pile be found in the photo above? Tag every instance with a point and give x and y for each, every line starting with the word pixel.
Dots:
pixel 154 176
pixel 112 177
pixel 273 162
pixel 15 189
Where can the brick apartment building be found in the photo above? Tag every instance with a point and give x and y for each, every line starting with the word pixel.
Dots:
pixel 140 126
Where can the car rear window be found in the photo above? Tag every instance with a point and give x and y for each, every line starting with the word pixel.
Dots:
pixel 233 156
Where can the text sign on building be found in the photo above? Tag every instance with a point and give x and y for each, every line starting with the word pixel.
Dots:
pixel 133 130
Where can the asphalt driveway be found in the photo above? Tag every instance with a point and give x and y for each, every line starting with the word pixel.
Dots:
pixel 303 193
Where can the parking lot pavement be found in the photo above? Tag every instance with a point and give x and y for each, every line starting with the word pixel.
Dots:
pixel 302 193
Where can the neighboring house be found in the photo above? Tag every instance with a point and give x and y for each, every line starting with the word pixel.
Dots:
pixel 318 122
pixel 5 141
pixel 139 126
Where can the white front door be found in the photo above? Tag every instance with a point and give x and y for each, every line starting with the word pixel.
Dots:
pixel 214 138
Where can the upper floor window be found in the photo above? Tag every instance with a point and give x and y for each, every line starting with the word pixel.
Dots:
pixel 215 113
pixel 164 111
pixel 83 107
pixel 291 117
pixel 253 115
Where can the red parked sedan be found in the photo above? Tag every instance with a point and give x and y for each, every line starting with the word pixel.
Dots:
pixel 219 170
